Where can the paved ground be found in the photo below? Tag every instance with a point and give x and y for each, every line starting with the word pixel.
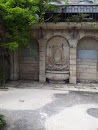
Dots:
pixel 92 87
pixel 45 108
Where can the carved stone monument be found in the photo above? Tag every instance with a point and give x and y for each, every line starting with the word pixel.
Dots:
pixel 57 59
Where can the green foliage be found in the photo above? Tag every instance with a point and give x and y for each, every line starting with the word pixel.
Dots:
pixel 56 19
pixel 66 2
pixel 17 17
pixel 79 18
pixel 35 53
pixel 2 122
pixel 93 24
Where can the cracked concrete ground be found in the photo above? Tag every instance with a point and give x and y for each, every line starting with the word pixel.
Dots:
pixel 48 109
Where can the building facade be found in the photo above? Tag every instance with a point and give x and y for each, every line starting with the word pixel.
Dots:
pixel 66 53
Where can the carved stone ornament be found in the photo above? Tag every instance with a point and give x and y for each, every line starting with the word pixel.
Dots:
pixel 57 54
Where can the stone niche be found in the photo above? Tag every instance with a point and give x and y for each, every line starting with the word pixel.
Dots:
pixel 57 60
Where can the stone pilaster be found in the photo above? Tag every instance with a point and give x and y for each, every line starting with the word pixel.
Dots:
pixel 73 66
pixel 14 65
pixel 42 68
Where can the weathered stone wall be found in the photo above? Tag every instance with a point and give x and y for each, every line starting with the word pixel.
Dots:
pixel 87 43
pixel 77 36
pixel 29 68
pixel 86 70
pixel 14 65
pixel 87 56
pixel 29 63
pixel 80 37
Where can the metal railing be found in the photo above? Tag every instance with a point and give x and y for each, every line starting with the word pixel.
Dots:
pixel 63 13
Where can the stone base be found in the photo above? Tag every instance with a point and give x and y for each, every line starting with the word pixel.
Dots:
pixel 57 76
pixel 57 82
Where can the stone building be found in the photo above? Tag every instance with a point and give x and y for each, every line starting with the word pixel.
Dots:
pixel 67 53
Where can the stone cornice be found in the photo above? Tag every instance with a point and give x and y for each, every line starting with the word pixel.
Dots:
pixel 65 25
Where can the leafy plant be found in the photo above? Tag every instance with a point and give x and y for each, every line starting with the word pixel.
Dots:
pixel 56 19
pixel 16 19
pixel 66 2
pixel 93 24
pixel 79 18
pixel 2 122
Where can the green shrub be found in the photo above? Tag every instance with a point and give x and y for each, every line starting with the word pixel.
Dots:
pixel 2 122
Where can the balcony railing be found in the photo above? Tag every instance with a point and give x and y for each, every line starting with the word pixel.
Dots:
pixel 73 13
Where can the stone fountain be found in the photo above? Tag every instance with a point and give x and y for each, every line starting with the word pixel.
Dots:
pixel 57 60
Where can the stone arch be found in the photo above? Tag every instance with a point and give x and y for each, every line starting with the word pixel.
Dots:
pixel 63 33
pixel 91 39
pixel 89 35
pixel 29 62
pixel 87 57
pixel 60 36
pixel 57 58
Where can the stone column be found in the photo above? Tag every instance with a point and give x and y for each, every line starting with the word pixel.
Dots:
pixel 14 65
pixel 73 66
pixel 73 53
pixel 42 68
